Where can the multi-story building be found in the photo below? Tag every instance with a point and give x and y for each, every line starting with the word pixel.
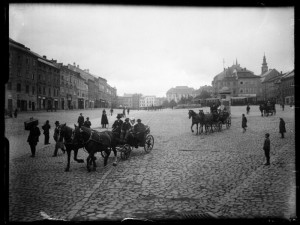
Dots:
pixel 136 100
pixel 68 87
pixel 287 88
pixel 148 101
pixel 239 81
pixel 207 88
pixel 180 92
pixel 48 84
pixel 21 88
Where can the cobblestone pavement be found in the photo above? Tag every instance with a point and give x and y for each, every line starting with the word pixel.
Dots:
pixel 220 173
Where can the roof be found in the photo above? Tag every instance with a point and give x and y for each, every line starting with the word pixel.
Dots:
pixel 288 75
pixel 181 90
pixel 48 63
pixel 270 75
pixel 231 72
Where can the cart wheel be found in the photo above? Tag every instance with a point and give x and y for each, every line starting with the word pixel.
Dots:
pixel 125 151
pixel 149 143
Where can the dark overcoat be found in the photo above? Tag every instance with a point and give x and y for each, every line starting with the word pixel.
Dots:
pixel 104 119
pixel 80 120
pixel 244 122
pixel 33 137
pixel 282 127
pixel 87 124
pixel 46 128
pixel 267 144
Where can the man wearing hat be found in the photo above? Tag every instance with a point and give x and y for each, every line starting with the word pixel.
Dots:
pixel 117 125
pixel 59 143
pixel 139 130
pixel 80 120
pixel 126 126
pixel 87 123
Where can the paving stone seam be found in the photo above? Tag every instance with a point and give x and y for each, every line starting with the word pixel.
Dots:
pixel 246 182
pixel 79 205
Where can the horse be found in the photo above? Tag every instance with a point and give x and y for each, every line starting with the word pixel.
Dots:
pixel 207 120
pixel 67 134
pixel 195 120
pixel 94 142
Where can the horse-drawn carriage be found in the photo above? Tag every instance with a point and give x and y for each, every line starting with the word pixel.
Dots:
pixel 213 121
pixel 132 142
pixel 267 108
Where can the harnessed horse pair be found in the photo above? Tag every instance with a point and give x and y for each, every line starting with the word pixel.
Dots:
pixel 89 139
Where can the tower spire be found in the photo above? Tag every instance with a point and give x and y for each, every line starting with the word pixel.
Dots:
pixel 236 61
pixel 264 67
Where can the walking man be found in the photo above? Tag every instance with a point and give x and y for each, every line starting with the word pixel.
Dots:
pixel 33 138
pixel 111 111
pixel 104 120
pixel 282 129
pixel 59 140
pixel 244 123
pixel 128 111
pixel 46 127
pixel 267 148
pixel 80 120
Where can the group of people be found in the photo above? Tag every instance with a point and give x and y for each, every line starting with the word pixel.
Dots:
pixel 266 146
pixel 123 129
pixel 35 133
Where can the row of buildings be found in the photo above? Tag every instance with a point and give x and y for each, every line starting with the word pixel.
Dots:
pixel 242 83
pixel 37 83
pixel 139 101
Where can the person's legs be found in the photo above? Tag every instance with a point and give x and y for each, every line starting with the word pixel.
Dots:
pixel 267 154
pixel 32 148
pixel 47 139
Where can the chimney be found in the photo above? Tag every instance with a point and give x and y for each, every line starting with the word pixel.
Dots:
pixel 280 72
pixel 77 66
pixel 74 64
pixel 44 57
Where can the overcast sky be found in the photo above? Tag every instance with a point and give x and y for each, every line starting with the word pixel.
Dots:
pixel 147 49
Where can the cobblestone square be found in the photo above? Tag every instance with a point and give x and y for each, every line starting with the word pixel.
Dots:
pixel 221 173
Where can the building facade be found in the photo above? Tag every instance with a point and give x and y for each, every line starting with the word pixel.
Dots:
pixel 180 92
pixel 48 85
pixel 21 88
pixel 239 81
pixel 287 88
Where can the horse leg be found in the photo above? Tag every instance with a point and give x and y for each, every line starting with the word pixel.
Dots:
pixel 69 156
pixel 192 128
pixel 88 159
pixel 93 160
pixel 75 156
pixel 107 152
pixel 197 129
pixel 115 153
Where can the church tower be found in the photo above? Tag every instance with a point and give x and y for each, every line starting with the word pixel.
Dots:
pixel 264 67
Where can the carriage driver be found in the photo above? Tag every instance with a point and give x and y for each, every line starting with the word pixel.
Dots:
pixel 125 129
pixel 139 130
pixel 117 125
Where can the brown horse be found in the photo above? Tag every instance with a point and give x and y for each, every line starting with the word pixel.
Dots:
pixel 67 134
pixel 94 142
pixel 196 119
pixel 208 120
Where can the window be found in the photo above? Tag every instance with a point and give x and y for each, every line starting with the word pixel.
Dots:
pixel 29 104
pixel 32 76
pixel 18 87
pixel 19 72
pixel 9 86
pixel 44 90
pixel 49 92
pixel 241 82
pixel 33 90
pixel 27 89
pixel 241 90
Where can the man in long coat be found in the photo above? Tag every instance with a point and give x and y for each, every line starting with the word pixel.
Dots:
pixel 80 120
pixel 33 138
pixel 244 123
pixel 282 129
pixel 46 127
pixel 267 148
